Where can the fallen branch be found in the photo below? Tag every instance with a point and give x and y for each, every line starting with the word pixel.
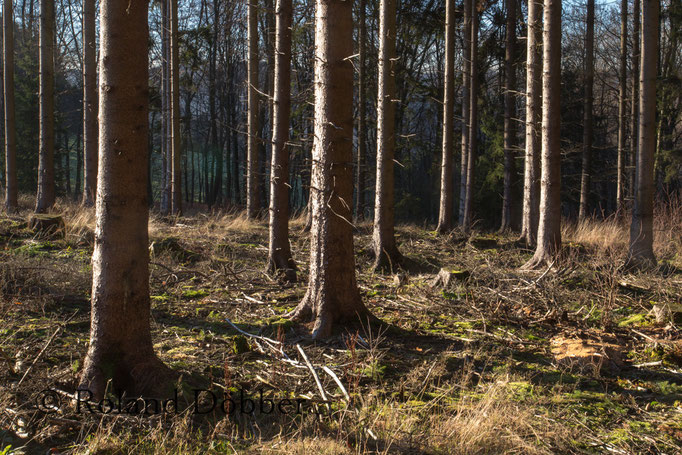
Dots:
pixel 315 376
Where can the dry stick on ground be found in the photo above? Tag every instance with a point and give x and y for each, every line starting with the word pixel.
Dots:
pixel 315 376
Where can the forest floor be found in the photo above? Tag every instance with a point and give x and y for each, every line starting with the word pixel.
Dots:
pixel 582 358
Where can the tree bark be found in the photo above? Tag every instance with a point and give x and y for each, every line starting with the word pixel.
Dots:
pixel 332 296
pixel 11 203
pixel 549 227
pixel 46 183
pixel 252 165
pixel 641 251
pixel 466 81
pixel 387 256
pixel 362 114
pixel 531 180
pixel 587 114
pixel 279 251
pixel 622 88
pixel 634 101
pixel 473 121
pixel 509 114
pixel 90 102
pixel 120 338
pixel 176 151
pixel 446 187
pixel 166 199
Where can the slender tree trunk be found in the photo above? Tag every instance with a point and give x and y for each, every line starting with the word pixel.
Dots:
pixel 332 295
pixel 252 165
pixel 641 230
pixel 634 101
pixel 362 113
pixel 587 114
pixel 466 81
pixel 11 203
pixel 622 89
pixel 473 121
pixel 77 191
pixel 549 227
pixel 509 114
pixel 531 181
pixel 46 183
pixel 387 256
pixel 176 150
pixel 279 251
pixel 165 110
pixel 120 338
pixel 90 102
pixel 446 190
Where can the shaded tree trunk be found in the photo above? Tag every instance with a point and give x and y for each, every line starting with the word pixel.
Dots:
pixel 446 190
pixel 332 296
pixel 587 114
pixel 120 338
pixel 473 122
pixel 466 81
pixel 252 165
pixel 622 89
pixel 176 151
pixel 46 181
pixel 531 180
pixel 90 102
pixel 549 226
pixel 279 251
pixel 362 114
pixel 641 251
pixel 509 114
pixel 634 101
pixel 11 203
pixel 165 111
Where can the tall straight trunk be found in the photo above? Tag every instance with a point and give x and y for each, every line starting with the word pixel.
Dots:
pixel 120 337
pixel 279 251
pixel 212 98
pixel 362 113
pixel 446 190
pixel 77 192
pixel 165 110
pixel 473 122
pixel 531 180
pixel 89 103
pixel 622 89
pixel 46 183
pixel 11 203
pixel 252 165
pixel 509 114
pixel 587 114
pixel 332 296
pixel 634 101
pixel 386 252
pixel 176 151
pixel 641 251
pixel 67 164
pixel 466 81
pixel 549 227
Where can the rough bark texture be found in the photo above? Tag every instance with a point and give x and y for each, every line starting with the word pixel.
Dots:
pixel 466 81
pixel 531 179
pixel 120 339
pixel 90 133
pixel 46 186
pixel 587 114
pixel 634 101
pixel 279 258
pixel 509 114
pixel 8 90
pixel 176 151
pixel 252 165
pixel 622 89
pixel 386 252
pixel 446 190
pixel 549 227
pixel 641 230
pixel 473 122
pixel 332 294
pixel 362 115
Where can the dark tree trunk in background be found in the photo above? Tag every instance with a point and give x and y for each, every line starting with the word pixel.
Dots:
pixel 473 122
pixel 90 103
pixel 587 114
pixel 466 81
pixel 622 89
pixel 176 152
pixel 11 203
pixel 634 101
pixel 46 181
pixel 252 161
pixel 509 115
pixel 362 114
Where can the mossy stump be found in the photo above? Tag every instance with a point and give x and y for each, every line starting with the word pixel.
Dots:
pixel 47 225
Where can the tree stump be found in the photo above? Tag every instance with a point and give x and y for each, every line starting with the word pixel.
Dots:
pixel 47 225
pixel 447 278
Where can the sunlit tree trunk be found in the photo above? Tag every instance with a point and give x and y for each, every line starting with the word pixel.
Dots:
pixel 11 203
pixel 622 88
pixel 587 114
pixel 90 133
pixel 634 100
pixel 176 151
pixel 509 114
pixel 46 184
pixel 252 161
pixel 466 81
pixel 362 114
pixel 473 122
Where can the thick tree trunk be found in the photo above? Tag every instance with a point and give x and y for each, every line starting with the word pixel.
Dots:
pixel 634 101
pixel 279 251
pixel 387 256
pixel 473 121
pixel 46 183
pixel 176 151
pixel 622 89
pixel 252 165
pixel 549 227
pixel 446 187
pixel 362 114
pixel 641 230
pixel 587 114
pixel 466 81
pixel 120 338
pixel 531 180
pixel 509 114
pixel 90 133
pixel 11 203
pixel 332 295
